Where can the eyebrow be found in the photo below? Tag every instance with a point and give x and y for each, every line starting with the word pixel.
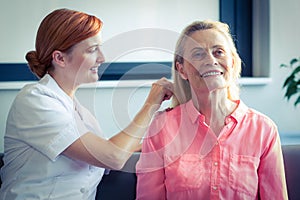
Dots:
pixel 95 45
pixel 219 46
pixel 214 47
pixel 197 48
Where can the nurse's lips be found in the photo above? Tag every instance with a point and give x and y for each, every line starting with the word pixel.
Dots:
pixel 94 69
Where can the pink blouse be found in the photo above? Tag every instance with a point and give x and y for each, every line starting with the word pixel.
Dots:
pixel 183 159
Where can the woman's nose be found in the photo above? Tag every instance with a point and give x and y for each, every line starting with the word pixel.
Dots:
pixel 210 59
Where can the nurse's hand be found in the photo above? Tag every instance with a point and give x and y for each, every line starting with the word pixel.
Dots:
pixel 161 90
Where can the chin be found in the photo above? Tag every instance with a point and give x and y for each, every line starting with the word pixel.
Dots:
pixel 93 78
pixel 214 87
pixel 93 81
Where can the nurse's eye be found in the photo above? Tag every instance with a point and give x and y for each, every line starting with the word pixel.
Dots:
pixel 93 49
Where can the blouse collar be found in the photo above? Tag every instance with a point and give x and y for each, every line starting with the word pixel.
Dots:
pixel 194 114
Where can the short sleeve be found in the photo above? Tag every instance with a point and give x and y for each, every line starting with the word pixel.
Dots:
pixel 43 120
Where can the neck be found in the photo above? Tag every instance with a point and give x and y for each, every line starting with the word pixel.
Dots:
pixel 67 85
pixel 214 105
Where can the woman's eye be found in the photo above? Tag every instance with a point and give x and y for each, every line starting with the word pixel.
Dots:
pixel 219 52
pixel 197 55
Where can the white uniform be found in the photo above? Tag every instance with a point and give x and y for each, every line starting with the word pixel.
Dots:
pixel 41 124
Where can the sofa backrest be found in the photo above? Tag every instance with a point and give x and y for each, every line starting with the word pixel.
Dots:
pixel 291 156
pixel 121 184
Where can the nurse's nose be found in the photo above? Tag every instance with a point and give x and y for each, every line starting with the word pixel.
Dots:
pixel 100 57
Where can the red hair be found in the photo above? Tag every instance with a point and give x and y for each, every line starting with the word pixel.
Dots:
pixel 60 30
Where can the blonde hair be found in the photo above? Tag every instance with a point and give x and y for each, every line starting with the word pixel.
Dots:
pixel 182 89
pixel 60 30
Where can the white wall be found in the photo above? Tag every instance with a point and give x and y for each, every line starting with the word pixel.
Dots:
pixel 19 19
pixel 115 106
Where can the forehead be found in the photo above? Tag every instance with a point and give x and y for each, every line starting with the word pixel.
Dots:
pixel 206 39
pixel 91 41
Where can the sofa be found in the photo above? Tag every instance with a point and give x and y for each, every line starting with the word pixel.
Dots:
pixel 121 184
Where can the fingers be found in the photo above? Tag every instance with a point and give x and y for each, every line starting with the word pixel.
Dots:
pixel 165 83
pixel 161 90
pixel 168 96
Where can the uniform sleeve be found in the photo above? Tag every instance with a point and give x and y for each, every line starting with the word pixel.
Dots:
pixel 42 120
pixel 150 167
pixel 272 183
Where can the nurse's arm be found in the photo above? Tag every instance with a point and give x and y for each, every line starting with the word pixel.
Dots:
pixel 114 153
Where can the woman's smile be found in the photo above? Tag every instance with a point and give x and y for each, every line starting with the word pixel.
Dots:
pixel 211 73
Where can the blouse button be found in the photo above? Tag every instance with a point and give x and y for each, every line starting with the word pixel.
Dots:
pixel 215 187
pixel 82 190
pixel 216 163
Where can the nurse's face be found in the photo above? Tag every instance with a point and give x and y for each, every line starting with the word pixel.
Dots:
pixel 207 61
pixel 84 60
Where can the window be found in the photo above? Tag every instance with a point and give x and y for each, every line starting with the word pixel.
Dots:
pixel 238 15
pixel 249 24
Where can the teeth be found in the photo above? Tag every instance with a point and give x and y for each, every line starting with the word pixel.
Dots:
pixel 94 68
pixel 211 74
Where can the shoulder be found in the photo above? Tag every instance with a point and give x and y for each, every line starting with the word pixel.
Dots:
pixel 45 92
pixel 36 106
pixel 170 112
pixel 33 89
pixel 37 98
pixel 248 115
pixel 168 117
pixel 260 125
pixel 33 94
pixel 260 117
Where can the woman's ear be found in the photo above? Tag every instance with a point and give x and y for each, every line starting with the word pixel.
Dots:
pixel 233 61
pixel 58 58
pixel 180 70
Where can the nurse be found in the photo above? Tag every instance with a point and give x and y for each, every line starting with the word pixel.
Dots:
pixel 53 146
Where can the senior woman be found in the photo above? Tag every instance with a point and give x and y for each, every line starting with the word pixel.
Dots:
pixel 210 145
